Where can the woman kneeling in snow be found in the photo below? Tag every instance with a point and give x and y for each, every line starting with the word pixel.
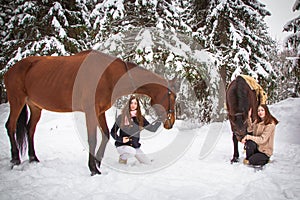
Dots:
pixel 259 146
pixel 131 122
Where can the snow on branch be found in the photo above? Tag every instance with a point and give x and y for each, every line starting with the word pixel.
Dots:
pixel 289 26
pixel 296 5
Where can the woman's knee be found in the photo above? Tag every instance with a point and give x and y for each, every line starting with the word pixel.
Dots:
pixel 126 150
pixel 258 159
pixel 251 145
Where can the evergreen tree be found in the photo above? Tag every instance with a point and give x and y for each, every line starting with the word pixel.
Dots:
pixel 286 81
pixel 234 31
pixel 43 28
pixel 47 27
pixel 151 34
pixel 203 42
pixel 6 12
pixel 293 46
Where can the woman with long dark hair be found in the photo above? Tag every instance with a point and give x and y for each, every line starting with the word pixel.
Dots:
pixel 259 146
pixel 131 122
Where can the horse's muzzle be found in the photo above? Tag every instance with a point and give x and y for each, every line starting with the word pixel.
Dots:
pixel 168 124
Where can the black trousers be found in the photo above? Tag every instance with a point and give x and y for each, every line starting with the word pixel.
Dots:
pixel 254 156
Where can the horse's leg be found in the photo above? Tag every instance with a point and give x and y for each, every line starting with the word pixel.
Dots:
pixel 105 138
pixel 235 149
pixel 91 123
pixel 11 125
pixel 34 118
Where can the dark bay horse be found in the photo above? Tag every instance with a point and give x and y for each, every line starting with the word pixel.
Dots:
pixel 89 82
pixel 239 100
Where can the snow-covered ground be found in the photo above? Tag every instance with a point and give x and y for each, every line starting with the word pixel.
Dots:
pixel 180 169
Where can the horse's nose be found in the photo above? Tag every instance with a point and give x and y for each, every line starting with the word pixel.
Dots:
pixel 168 125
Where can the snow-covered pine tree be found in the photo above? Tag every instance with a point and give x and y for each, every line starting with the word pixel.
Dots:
pixel 45 27
pixel 156 34
pixel 292 45
pixel 235 32
pixel 203 76
pixel 152 34
pixel 286 80
pixel 6 12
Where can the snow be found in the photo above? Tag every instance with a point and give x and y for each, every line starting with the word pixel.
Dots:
pixel 58 27
pixel 199 169
pixel 145 43
pixel 118 11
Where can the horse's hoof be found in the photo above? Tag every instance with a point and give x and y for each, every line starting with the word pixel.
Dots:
pixel 95 173
pixel 235 160
pixel 33 159
pixel 15 162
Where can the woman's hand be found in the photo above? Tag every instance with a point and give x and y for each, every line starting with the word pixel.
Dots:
pixel 244 139
pixel 249 113
pixel 125 139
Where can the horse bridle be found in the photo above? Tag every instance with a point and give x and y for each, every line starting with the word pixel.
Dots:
pixel 235 115
pixel 169 111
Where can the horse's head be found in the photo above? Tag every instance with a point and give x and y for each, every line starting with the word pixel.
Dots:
pixel 164 103
pixel 161 92
pixel 239 123
pixel 166 111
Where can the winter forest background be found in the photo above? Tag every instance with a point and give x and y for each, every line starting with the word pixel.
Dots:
pixel 205 43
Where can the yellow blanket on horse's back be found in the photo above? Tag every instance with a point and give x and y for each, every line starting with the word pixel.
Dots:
pixel 260 93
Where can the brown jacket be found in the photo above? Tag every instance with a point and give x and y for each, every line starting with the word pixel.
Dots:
pixel 263 136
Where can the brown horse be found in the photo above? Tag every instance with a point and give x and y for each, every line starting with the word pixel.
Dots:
pixel 239 100
pixel 89 82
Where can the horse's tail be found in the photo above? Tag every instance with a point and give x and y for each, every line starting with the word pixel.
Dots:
pixel 242 95
pixel 21 132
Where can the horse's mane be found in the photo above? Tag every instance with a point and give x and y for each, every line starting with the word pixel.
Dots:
pixel 132 65
pixel 242 95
